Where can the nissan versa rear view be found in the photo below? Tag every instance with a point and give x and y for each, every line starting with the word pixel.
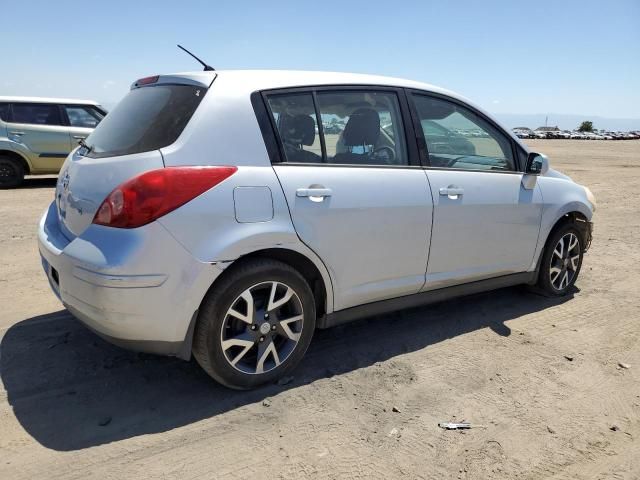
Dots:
pixel 229 214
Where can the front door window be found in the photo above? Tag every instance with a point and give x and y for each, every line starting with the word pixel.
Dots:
pixel 458 138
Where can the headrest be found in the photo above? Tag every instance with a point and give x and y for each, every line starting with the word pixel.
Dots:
pixel 363 128
pixel 298 129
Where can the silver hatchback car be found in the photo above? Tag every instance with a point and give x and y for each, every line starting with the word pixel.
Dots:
pixel 232 213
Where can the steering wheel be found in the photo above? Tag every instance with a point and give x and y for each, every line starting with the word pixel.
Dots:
pixel 386 154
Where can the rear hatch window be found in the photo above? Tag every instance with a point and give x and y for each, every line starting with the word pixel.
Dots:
pixel 147 118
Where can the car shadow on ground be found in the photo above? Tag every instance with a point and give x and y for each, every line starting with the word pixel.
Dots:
pixel 38 182
pixel 71 390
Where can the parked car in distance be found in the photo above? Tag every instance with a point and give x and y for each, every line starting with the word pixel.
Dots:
pixel 523 133
pixel 541 133
pixel 37 134
pixel 221 223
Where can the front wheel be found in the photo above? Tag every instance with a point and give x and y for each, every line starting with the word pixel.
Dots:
pixel 561 261
pixel 255 325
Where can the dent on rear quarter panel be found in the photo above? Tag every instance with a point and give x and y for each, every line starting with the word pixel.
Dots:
pixel 207 226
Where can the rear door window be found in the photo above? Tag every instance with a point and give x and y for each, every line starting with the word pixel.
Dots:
pixel 362 128
pixel 354 127
pixel 295 118
pixel 83 116
pixel 147 118
pixel 36 114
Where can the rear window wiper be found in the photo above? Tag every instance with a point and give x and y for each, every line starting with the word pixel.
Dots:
pixel 84 145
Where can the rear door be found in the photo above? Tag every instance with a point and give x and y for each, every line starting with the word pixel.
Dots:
pixel 355 192
pixel 485 222
pixel 40 128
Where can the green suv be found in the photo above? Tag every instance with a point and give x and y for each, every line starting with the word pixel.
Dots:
pixel 37 134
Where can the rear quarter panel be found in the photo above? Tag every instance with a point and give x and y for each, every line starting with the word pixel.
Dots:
pixel 210 229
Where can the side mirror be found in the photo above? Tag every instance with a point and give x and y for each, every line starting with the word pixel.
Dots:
pixel 537 164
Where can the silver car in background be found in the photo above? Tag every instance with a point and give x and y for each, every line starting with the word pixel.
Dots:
pixel 232 213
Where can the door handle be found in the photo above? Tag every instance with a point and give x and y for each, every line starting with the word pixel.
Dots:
pixel 451 191
pixel 13 132
pixel 313 192
pixel 79 137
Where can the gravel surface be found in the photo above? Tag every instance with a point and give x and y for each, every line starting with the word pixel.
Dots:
pixel 367 400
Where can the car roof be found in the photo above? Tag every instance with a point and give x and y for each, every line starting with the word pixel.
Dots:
pixel 245 82
pixel 69 101
pixel 271 79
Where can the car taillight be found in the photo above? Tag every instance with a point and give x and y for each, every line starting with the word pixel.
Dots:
pixel 151 195
pixel 147 80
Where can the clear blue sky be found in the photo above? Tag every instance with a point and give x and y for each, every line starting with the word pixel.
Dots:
pixel 543 56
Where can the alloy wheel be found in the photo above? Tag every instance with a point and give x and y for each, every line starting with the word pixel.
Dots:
pixel 565 261
pixel 262 327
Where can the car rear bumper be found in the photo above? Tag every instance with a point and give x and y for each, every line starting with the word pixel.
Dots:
pixel 137 288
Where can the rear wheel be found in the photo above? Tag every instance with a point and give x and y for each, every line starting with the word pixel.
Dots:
pixel 561 261
pixel 255 325
pixel 11 172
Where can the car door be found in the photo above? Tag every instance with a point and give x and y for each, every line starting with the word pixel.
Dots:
pixel 82 119
pixel 356 194
pixel 485 222
pixel 39 128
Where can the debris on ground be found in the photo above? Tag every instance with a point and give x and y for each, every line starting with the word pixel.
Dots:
pixel 551 429
pixel 624 365
pixel 614 428
pixel 266 402
pixel 394 433
pixel 569 357
pixel 395 409
pixel 455 426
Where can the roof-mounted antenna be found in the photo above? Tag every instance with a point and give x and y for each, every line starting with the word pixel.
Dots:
pixel 207 68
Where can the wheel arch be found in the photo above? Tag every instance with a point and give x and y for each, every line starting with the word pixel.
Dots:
pixel 315 275
pixel 573 216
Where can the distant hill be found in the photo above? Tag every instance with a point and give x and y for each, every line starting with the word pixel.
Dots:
pixel 567 122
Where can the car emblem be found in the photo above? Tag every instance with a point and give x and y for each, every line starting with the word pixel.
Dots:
pixel 65 182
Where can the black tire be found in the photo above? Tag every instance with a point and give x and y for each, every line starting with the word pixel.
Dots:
pixel 213 314
pixel 11 172
pixel 549 283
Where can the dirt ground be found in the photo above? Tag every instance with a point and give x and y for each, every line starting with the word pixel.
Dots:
pixel 538 378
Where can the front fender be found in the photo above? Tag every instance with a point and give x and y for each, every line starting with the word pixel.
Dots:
pixel 560 197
